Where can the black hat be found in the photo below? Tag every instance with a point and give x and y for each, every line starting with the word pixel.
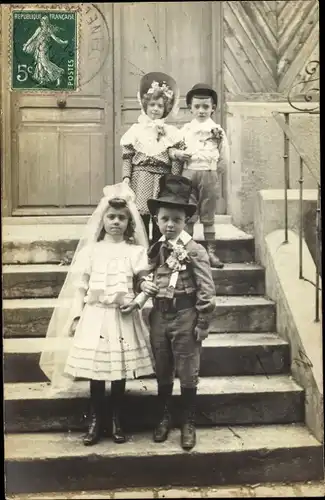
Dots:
pixel 202 89
pixel 174 191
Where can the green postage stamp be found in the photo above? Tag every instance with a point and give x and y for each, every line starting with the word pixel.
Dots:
pixel 44 50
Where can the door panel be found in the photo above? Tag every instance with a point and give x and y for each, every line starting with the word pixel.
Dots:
pixel 188 43
pixel 82 181
pixel 38 167
pixel 141 44
pixel 62 156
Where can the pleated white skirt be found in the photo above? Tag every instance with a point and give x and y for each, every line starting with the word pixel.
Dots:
pixel 110 346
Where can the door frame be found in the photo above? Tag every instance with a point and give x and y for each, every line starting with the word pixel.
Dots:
pixel 5 138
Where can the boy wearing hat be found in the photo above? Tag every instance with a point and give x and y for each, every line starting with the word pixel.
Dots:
pixel 184 300
pixel 205 157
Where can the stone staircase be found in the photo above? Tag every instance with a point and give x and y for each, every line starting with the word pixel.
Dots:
pixel 250 413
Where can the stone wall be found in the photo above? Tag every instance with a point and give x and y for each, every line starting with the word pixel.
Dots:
pixel 256 150
pixel 295 299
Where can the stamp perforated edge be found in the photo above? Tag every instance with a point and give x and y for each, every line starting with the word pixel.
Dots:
pixel 50 8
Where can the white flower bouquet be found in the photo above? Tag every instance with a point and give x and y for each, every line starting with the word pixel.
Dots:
pixel 178 258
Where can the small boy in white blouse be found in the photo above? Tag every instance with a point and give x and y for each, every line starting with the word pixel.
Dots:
pixel 205 157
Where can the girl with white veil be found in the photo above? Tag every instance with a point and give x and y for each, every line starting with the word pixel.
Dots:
pixel 96 331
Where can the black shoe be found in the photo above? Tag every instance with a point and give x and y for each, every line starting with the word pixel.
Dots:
pixel 94 432
pixel 188 436
pixel 213 259
pixel 161 432
pixel 118 434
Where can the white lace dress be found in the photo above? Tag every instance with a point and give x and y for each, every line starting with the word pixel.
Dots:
pixel 108 345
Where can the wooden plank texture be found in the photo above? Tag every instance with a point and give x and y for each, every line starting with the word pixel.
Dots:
pixel 267 44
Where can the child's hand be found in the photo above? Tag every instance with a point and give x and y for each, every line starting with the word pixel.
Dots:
pixel 200 333
pixel 126 180
pixel 149 288
pixel 128 308
pixel 182 155
pixel 74 326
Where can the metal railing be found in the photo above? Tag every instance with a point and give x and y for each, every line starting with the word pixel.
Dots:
pixel 304 102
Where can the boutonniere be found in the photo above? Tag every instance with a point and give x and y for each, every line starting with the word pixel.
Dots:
pixel 217 133
pixel 161 132
pixel 178 258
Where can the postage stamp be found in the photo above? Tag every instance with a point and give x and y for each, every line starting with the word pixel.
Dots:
pixel 44 50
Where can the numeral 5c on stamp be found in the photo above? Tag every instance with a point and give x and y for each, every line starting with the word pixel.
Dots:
pixel 44 50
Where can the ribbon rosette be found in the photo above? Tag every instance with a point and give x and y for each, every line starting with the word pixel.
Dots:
pixel 177 262
pixel 178 258
pixel 216 133
pixel 160 132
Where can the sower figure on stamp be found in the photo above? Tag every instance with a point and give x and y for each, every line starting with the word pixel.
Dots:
pixel 206 156
pixel 146 144
pixel 38 45
pixel 184 299
pixel 97 312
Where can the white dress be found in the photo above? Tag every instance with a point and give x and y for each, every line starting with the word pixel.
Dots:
pixel 108 345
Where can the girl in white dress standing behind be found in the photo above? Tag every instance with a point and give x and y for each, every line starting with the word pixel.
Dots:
pixel 110 340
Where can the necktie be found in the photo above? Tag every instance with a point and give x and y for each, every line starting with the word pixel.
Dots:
pixel 165 251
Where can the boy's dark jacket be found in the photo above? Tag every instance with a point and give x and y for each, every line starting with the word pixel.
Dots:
pixel 195 279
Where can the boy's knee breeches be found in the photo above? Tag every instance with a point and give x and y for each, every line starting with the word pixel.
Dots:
pixel 174 346
pixel 204 194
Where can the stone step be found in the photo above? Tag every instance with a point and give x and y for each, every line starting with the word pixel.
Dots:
pixel 30 317
pixel 261 490
pixel 55 243
pixel 36 220
pixel 241 400
pixel 32 280
pixel 46 280
pixel 222 355
pixel 48 462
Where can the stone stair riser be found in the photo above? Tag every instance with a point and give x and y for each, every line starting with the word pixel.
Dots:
pixel 18 285
pixel 26 322
pixel 33 322
pixel 32 285
pixel 40 252
pixel 215 361
pixel 75 473
pixel 245 282
pixel 140 411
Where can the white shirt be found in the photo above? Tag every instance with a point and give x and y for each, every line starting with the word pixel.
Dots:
pixel 183 236
pixel 201 144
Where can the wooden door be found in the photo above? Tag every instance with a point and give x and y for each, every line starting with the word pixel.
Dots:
pixel 62 157
pixel 183 39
